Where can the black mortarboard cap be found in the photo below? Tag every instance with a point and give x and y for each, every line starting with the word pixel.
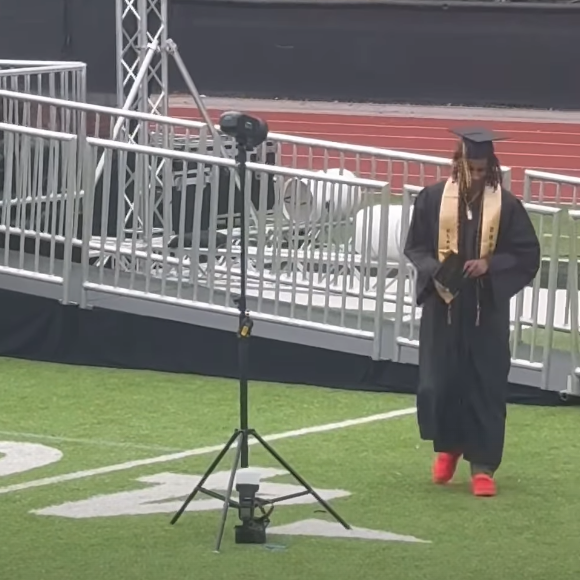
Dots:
pixel 478 141
pixel 450 273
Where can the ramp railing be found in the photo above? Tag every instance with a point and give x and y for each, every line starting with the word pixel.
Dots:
pixel 551 188
pixel 40 212
pixel 534 309
pixel 574 384
pixel 328 267
pixel 47 112
pixel 396 167
pixel 58 80
pixel 560 191
pixel 325 243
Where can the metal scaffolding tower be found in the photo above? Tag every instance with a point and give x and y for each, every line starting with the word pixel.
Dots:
pixel 142 40
pixel 143 51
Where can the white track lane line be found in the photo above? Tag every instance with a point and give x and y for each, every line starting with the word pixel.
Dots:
pixel 202 451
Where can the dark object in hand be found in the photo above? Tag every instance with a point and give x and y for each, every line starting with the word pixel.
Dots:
pixel 450 273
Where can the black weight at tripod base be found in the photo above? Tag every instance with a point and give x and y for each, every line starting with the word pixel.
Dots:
pixel 242 434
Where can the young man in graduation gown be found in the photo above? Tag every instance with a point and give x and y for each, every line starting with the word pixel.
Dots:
pixel 474 247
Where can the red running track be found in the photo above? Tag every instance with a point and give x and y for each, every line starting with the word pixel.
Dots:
pixel 543 146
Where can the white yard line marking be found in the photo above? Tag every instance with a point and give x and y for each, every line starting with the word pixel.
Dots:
pixel 97 442
pixel 202 451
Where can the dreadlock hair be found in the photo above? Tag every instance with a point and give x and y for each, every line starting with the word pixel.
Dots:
pixel 462 176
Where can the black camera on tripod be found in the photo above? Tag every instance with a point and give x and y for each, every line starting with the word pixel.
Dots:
pixel 248 132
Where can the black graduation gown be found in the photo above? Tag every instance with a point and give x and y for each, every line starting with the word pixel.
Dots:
pixel 464 366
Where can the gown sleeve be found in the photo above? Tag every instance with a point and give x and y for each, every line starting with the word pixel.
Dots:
pixel 517 260
pixel 419 247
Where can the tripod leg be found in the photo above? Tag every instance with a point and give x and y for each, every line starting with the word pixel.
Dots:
pixel 241 443
pixel 299 478
pixel 209 471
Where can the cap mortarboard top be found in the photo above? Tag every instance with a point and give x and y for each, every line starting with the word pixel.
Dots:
pixel 478 141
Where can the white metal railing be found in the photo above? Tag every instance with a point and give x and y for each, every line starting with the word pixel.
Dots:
pixel 561 191
pixel 551 188
pixel 535 307
pixel 325 245
pixel 48 112
pixel 58 79
pixel 399 168
pixel 574 386
pixel 395 167
pixel 407 313
pixel 63 80
pixel 315 264
pixel 39 208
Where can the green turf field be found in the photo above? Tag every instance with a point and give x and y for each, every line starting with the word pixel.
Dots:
pixel 107 521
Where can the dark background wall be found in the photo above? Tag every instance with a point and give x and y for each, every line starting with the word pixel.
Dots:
pixel 33 30
pixel 420 53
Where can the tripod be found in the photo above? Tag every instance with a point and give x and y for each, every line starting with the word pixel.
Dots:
pixel 242 434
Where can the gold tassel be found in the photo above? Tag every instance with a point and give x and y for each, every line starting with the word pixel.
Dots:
pixel 465 183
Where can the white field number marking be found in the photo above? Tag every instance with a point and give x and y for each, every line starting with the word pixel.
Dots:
pixel 18 457
pixel 169 490
pixel 166 493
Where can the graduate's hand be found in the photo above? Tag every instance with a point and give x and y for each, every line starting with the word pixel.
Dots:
pixel 475 268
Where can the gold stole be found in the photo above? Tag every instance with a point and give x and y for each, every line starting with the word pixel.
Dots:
pixel 449 223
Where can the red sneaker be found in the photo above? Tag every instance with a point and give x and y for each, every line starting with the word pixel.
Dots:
pixel 483 485
pixel 444 467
